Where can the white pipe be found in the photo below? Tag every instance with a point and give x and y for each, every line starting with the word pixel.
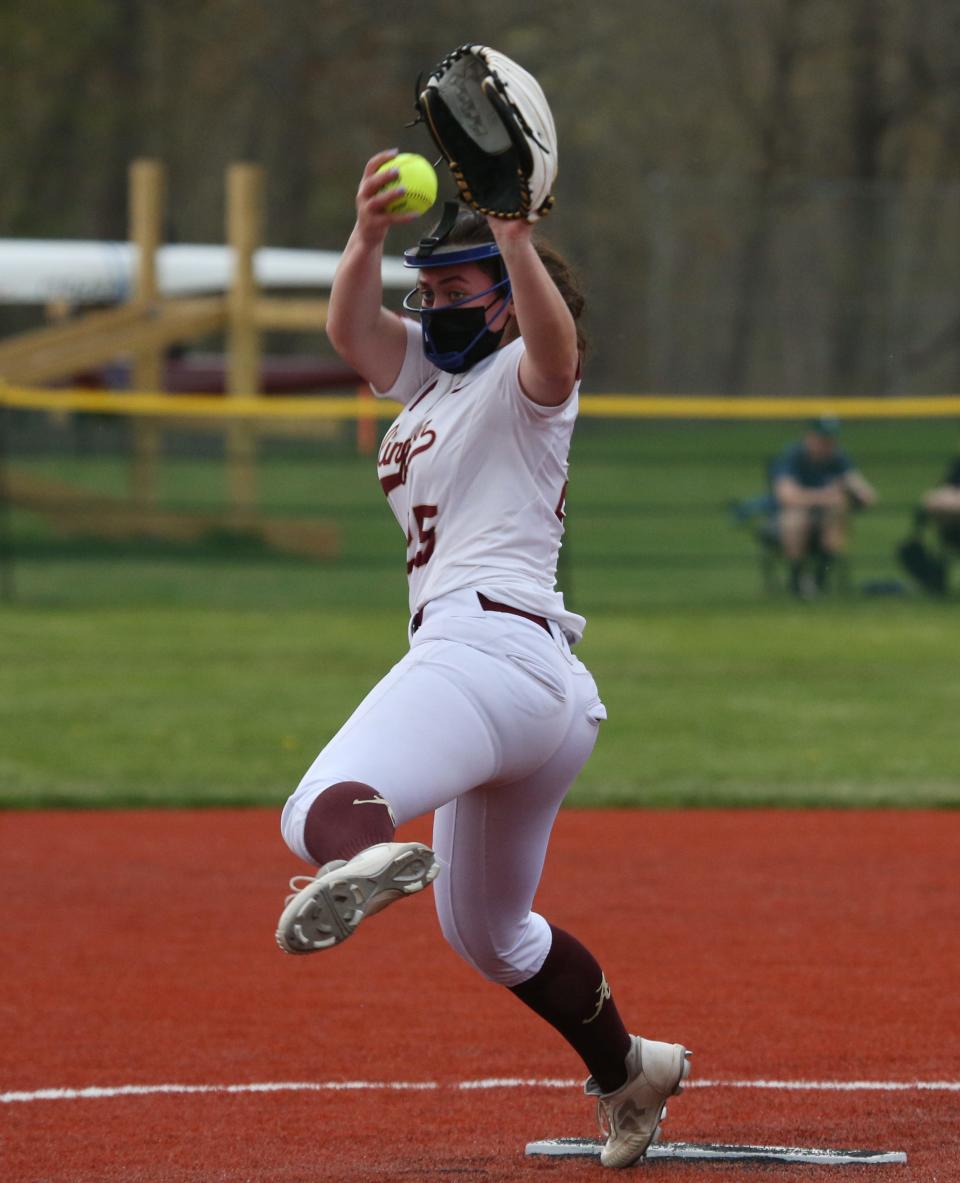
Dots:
pixel 37 271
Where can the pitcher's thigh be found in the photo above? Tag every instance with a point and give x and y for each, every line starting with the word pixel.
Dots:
pixel 491 844
pixel 416 738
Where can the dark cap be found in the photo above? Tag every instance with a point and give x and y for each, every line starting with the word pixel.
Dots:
pixel 828 425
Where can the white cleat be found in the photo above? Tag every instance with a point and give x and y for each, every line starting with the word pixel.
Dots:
pixel 630 1117
pixel 326 908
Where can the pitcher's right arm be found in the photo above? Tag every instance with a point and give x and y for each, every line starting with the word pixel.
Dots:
pixel 365 334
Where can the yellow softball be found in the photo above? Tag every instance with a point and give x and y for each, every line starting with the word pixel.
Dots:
pixel 417 176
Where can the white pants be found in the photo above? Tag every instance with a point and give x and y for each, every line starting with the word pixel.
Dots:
pixel 486 722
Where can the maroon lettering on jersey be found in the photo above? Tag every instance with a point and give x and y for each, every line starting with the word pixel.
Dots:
pixel 396 454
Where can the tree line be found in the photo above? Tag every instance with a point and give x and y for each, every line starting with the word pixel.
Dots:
pixel 760 196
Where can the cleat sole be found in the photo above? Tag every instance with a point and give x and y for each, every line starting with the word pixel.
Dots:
pixel 328 910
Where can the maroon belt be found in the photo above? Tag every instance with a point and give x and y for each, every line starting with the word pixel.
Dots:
pixel 489 605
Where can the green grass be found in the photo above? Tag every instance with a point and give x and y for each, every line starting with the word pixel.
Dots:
pixel 839 705
pixel 178 706
pixel 777 705
pixel 209 674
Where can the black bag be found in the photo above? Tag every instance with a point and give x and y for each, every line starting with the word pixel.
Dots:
pixel 926 568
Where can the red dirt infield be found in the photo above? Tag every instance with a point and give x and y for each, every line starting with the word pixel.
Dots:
pixel 808 948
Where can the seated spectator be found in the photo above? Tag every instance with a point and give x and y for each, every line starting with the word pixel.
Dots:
pixel 941 505
pixel 815 486
pixel 936 532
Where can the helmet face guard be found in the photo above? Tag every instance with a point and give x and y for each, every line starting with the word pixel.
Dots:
pixel 455 337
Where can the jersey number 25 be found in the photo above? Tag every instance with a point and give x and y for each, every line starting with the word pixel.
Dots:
pixel 423 542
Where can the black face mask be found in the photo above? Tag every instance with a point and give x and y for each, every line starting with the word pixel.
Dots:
pixel 455 339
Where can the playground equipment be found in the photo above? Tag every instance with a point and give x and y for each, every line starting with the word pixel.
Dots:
pixel 143 328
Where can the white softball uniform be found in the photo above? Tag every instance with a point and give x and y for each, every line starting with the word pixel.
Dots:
pixel 489 717
pixel 475 474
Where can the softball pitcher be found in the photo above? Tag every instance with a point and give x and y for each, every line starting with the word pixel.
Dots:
pixel 489 717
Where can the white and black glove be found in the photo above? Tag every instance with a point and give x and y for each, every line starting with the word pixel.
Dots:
pixel 491 120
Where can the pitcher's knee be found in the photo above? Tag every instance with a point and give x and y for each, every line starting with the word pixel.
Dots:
pixel 327 824
pixel 507 957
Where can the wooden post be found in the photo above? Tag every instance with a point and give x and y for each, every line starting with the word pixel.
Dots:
pixel 146 187
pixel 244 230
pixel 57 313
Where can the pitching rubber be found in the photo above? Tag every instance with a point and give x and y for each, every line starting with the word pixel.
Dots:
pixel 719 1152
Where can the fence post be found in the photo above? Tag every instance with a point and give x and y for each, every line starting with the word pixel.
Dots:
pixel 147 193
pixel 244 229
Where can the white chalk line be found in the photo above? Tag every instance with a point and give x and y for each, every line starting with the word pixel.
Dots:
pixel 97 1092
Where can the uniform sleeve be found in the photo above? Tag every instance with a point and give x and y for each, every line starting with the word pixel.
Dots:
pixel 513 394
pixel 415 371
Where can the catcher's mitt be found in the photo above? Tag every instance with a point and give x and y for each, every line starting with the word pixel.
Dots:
pixel 492 122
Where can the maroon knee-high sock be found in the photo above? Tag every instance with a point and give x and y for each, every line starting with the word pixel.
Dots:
pixel 345 819
pixel 571 993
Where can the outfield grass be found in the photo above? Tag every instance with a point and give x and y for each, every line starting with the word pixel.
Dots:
pixel 210 674
pixel 826 704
